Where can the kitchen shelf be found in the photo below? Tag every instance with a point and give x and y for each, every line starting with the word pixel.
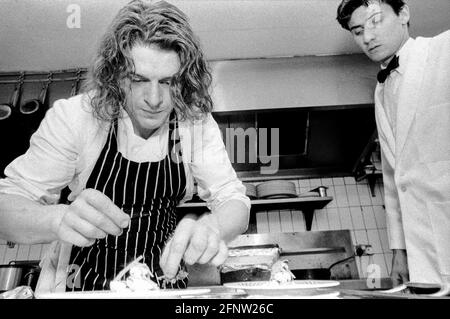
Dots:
pixel 307 205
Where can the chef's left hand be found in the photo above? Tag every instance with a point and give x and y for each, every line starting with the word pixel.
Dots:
pixel 196 240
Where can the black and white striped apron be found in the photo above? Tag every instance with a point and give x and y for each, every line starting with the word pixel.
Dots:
pixel 149 192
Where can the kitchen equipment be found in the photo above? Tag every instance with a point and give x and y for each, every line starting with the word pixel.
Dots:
pixel 5 111
pixel 19 273
pixel 321 190
pixel 30 116
pixel 310 250
pixel 408 290
pixel 10 133
pixel 318 273
pixel 313 273
pixel 276 189
pixel 432 290
pixel 7 108
pixel 32 106
pixel 10 277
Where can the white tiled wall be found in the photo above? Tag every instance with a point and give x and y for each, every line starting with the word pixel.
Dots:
pixel 353 208
pixel 20 252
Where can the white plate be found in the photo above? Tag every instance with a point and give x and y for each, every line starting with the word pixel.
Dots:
pixel 330 295
pixel 270 285
pixel 106 294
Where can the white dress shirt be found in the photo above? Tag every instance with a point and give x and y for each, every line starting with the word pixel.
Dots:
pixel 388 94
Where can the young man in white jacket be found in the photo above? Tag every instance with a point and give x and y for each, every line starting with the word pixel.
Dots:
pixel 412 107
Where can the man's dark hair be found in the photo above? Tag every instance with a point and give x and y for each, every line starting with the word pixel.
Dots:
pixel 346 8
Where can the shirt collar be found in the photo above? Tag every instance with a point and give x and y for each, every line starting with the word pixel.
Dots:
pixel 128 126
pixel 403 55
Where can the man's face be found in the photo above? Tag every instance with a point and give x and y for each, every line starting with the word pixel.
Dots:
pixel 148 88
pixel 378 31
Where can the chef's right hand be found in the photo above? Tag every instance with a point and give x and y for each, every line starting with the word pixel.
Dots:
pixel 91 216
pixel 400 272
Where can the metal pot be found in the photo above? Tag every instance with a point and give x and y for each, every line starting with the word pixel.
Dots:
pixel 9 131
pixel 30 116
pixel 10 277
pixel 32 106
pixel 7 108
pixel 5 111
pixel 19 273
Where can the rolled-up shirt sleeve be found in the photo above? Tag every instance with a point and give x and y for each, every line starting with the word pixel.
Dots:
pixel 210 165
pixel 49 163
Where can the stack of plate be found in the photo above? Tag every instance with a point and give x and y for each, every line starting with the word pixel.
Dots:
pixel 251 190
pixel 276 189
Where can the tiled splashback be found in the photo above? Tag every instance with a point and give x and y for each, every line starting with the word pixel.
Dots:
pixel 353 208
pixel 21 252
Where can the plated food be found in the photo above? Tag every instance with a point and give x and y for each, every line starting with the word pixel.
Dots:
pixel 280 273
pixel 139 278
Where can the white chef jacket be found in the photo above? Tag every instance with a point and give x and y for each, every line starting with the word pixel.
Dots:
pixel 416 156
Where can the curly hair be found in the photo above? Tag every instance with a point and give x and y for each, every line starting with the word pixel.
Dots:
pixel 160 24
pixel 347 7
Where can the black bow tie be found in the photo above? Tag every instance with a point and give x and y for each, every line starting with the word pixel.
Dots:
pixel 383 74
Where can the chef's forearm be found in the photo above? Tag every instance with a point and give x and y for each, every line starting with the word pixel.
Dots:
pixel 24 221
pixel 233 217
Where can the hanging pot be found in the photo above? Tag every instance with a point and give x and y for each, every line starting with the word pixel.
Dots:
pixel 6 108
pixel 5 111
pixel 32 106
pixel 31 114
pixel 9 132
pixel 19 273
